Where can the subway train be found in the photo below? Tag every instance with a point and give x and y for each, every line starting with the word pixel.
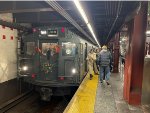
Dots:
pixel 53 60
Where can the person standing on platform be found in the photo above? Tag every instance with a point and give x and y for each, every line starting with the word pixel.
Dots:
pixel 90 60
pixel 95 62
pixel 104 63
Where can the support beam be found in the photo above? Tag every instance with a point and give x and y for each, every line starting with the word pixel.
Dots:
pixel 13 25
pixel 27 10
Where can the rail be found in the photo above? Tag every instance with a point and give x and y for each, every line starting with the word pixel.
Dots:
pixel 11 103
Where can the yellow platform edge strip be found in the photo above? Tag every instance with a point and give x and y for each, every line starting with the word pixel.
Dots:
pixel 84 99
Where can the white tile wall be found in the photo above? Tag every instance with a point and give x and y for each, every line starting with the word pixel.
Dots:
pixel 8 56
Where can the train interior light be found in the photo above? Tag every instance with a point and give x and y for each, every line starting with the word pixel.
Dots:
pixel 44 32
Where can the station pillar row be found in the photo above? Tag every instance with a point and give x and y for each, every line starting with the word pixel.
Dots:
pixel 134 61
pixel 116 53
pixel 114 49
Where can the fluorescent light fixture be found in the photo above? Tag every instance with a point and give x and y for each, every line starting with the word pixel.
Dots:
pixel 80 9
pixel 78 5
pixel 92 32
pixel 148 32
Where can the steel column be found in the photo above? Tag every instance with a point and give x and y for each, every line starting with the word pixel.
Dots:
pixel 116 53
pixel 135 58
pixel 127 67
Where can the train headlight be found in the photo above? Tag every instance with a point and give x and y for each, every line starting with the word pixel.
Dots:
pixel 74 71
pixel 25 68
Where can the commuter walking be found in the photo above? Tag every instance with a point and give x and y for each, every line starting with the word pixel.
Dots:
pixel 104 63
pixel 90 59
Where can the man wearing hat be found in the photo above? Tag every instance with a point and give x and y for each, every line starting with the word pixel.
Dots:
pixel 104 64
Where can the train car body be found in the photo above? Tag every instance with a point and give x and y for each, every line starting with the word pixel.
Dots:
pixel 54 60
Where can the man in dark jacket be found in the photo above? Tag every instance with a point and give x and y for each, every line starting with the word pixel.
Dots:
pixel 104 63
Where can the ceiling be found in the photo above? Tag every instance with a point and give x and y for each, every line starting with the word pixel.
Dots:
pixel 106 17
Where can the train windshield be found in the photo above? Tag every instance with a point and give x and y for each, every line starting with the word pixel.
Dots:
pixel 69 49
pixel 49 49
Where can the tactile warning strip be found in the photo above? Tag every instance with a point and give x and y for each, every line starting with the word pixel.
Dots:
pixel 84 99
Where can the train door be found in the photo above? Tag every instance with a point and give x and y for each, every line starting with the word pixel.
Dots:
pixel 85 57
pixel 68 65
pixel 81 60
pixel 49 59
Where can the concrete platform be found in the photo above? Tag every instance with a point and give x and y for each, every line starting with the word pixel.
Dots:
pixel 109 98
pixel 95 97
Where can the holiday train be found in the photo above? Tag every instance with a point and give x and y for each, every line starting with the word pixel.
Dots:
pixel 53 60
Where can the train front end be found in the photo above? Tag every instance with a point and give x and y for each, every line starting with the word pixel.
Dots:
pixel 50 61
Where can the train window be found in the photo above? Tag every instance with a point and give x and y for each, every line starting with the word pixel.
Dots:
pixel 30 48
pixel 49 49
pixel 69 49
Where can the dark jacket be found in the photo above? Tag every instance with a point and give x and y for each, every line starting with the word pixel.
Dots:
pixel 104 58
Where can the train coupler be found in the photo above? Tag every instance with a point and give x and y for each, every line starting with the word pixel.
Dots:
pixel 46 93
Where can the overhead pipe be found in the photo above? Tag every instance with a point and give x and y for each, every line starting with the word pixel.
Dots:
pixel 118 12
pixel 62 12
pixel 13 25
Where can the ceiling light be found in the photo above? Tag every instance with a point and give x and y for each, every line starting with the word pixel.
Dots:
pixel 80 9
pixel 91 30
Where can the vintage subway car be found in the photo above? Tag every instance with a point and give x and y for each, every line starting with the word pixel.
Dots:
pixel 53 60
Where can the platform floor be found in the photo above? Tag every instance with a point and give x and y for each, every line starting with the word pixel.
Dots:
pixel 109 98
pixel 94 97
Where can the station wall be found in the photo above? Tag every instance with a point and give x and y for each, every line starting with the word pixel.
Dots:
pixel 10 86
pixel 8 56
pixel 8 47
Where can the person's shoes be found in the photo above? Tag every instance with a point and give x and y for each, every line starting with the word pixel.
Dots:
pixel 101 81
pixel 91 76
pixel 108 83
